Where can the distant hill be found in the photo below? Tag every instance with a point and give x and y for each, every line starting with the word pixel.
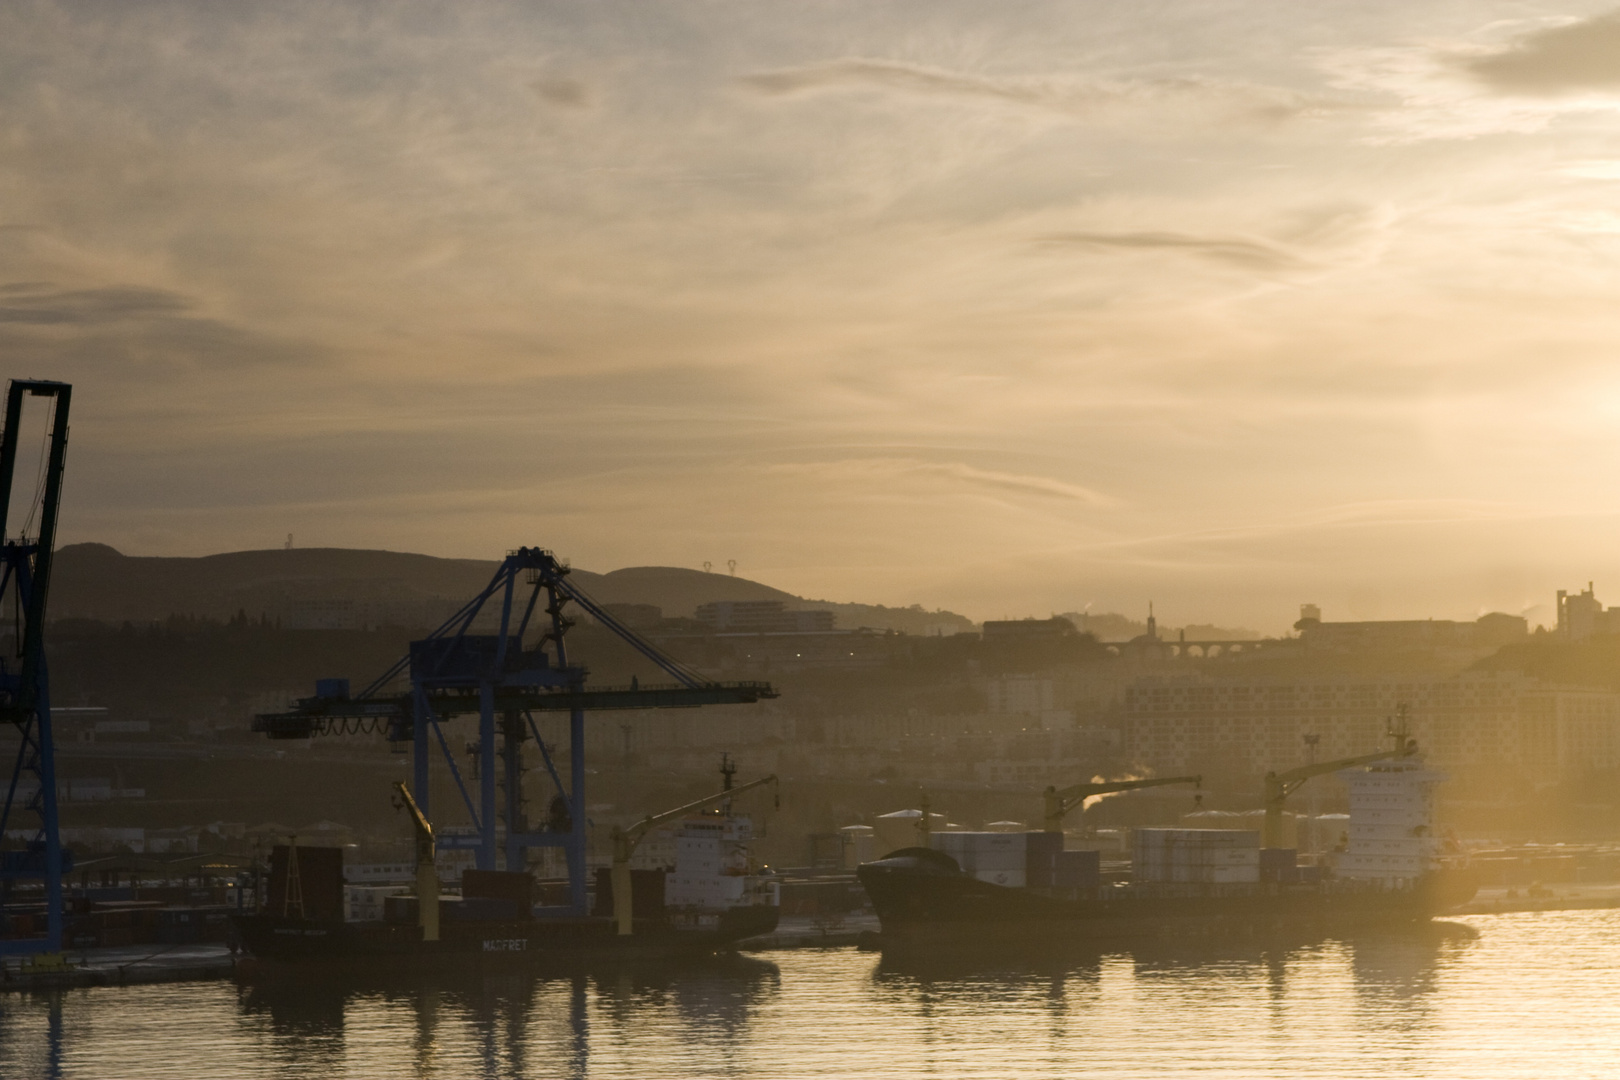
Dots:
pixel 335 587
pixel 677 590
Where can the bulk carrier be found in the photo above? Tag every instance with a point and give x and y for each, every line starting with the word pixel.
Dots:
pixel 961 890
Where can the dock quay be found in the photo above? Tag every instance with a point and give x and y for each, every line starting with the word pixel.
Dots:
pixel 123 965
pixel 1560 897
pixel 130 965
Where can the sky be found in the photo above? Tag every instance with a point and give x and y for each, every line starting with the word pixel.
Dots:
pixel 1005 308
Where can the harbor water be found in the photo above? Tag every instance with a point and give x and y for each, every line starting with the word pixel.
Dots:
pixel 1519 995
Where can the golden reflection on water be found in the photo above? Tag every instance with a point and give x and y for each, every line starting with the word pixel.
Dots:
pixel 1526 995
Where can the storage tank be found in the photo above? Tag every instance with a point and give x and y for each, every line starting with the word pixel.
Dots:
pixel 899 829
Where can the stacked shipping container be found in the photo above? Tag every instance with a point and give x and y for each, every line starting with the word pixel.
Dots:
pixel 1210 856
pixel 1034 860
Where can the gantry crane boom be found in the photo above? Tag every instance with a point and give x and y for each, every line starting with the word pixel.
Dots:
pixel 504 679
pixel 1280 785
pixel 625 841
pixel 1059 803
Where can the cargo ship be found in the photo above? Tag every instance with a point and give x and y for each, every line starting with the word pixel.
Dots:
pixel 694 892
pixel 963 890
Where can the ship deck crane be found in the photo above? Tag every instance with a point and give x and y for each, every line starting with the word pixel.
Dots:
pixel 427 870
pixel 25 699
pixel 1280 785
pixel 625 841
pixel 504 683
pixel 1059 803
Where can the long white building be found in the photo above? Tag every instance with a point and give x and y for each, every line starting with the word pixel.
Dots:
pixel 1251 724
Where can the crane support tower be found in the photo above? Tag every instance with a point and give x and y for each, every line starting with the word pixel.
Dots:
pixel 504 683
pixel 25 698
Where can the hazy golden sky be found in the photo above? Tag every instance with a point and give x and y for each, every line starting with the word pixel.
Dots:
pixel 1008 307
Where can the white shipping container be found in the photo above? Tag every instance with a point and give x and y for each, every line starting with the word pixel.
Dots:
pixel 366 903
pixel 1012 879
pixel 998 860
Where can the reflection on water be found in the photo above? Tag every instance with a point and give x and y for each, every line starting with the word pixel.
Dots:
pixel 1278 984
pixel 502 1025
pixel 1504 996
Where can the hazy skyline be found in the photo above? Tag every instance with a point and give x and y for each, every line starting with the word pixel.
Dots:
pixel 1007 309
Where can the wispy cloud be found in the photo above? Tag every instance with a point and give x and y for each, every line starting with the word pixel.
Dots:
pixel 1071 95
pixel 1579 56
pixel 563 93
pixel 1015 483
pixel 37 304
pixel 1250 254
pixel 1004 279
pixel 907 472
pixel 1500 78
pixel 911 78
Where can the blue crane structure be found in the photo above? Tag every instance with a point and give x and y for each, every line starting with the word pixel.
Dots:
pixel 25 697
pixel 454 672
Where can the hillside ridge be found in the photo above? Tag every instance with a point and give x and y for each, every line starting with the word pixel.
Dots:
pixel 96 581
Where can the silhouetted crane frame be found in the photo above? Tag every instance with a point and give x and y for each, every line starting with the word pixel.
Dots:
pixel 25 697
pixel 454 672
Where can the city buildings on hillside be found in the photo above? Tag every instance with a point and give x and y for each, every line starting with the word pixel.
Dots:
pixel 1252 724
pixel 761 617
pixel 1027 629
pixel 1029 696
pixel 1485 634
pixel 1582 616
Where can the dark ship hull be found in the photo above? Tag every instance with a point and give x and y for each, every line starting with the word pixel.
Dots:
pixel 284 945
pixel 925 903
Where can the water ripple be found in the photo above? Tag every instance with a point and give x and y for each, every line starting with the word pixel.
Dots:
pixel 1525 995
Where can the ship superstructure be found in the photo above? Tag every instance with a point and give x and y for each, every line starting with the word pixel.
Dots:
pixel 1391 834
pixel 713 867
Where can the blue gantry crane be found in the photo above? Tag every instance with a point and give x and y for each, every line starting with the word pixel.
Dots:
pixel 496 677
pixel 25 697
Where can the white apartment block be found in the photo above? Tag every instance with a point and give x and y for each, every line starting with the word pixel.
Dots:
pixel 1255 724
